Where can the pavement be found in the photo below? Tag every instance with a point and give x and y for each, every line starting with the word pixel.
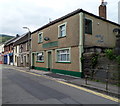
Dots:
pixel 113 90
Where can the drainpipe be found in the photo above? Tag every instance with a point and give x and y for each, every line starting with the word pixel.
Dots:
pixel 81 35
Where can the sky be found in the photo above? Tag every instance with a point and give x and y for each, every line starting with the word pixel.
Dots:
pixel 16 14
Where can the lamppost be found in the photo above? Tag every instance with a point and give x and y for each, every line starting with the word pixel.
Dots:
pixel 29 46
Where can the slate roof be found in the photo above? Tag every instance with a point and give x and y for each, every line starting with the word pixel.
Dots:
pixel 71 14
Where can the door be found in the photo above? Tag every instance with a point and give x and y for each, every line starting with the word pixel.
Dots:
pixel 49 60
pixel 24 62
pixel 5 59
pixel 33 60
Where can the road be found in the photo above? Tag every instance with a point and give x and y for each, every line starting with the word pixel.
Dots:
pixel 19 87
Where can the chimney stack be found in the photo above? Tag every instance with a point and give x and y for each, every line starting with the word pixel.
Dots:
pixel 103 9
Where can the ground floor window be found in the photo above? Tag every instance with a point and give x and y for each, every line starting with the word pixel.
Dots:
pixel 27 58
pixel 63 55
pixel 40 56
pixel 21 57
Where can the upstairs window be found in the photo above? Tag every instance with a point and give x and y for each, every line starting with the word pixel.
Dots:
pixel 40 56
pixel 88 26
pixel 15 48
pixel 62 30
pixel 21 57
pixel 40 37
pixel 27 58
pixel 27 46
pixel 21 47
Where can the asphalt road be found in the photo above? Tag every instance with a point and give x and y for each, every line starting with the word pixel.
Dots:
pixel 24 88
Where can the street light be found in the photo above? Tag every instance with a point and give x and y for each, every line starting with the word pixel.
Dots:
pixel 26 28
pixel 29 37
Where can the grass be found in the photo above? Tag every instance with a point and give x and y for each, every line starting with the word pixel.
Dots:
pixel 5 38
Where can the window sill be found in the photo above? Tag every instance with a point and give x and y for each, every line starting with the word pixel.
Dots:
pixel 61 37
pixel 40 42
pixel 88 33
pixel 40 61
pixel 64 62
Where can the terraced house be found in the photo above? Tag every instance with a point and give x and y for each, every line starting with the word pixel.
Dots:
pixel 8 51
pixel 59 45
pixel 21 51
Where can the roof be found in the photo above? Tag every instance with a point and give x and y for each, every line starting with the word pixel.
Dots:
pixel 71 14
pixel 10 41
pixel 22 39
pixel 19 37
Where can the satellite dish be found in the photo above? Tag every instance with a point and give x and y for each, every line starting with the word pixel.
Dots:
pixel 104 3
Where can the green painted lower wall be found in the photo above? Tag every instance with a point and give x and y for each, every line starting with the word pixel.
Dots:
pixel 65 72
pixel 72 73
pixel 41 68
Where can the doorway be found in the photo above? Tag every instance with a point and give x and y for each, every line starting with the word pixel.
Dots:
pixel 49 60
pixel 24 62
pixel 33 60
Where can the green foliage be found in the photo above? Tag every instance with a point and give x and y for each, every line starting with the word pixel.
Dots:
pixel 5 38
pixel 94 60
pixel 118 59
pixel 110 54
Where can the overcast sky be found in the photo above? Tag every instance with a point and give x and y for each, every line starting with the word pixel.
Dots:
pixel 15 14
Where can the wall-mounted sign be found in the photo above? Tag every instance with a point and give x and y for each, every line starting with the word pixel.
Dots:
pixel 100 38
pixel 50 44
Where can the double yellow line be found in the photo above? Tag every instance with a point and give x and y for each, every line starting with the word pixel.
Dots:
pixel 75 86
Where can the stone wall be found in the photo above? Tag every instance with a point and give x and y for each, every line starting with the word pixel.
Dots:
pixel 101 68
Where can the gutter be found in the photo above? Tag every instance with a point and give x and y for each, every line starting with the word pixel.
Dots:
pixel 81 35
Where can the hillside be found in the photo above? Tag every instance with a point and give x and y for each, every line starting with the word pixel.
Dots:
pixel 4 38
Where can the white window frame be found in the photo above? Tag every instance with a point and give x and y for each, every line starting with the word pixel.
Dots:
pixel 40 33
pixel 21 47
pixel 56 52
pixel 27 58
pixel 27 45
pixel 37 56
pixel 59 30
pixel 21 58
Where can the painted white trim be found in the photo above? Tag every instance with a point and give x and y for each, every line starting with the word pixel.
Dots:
pixel 26 45
pixel 69 48
pixel 24 52
pixel 42 37
pixel 65 23
pixel 27 59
